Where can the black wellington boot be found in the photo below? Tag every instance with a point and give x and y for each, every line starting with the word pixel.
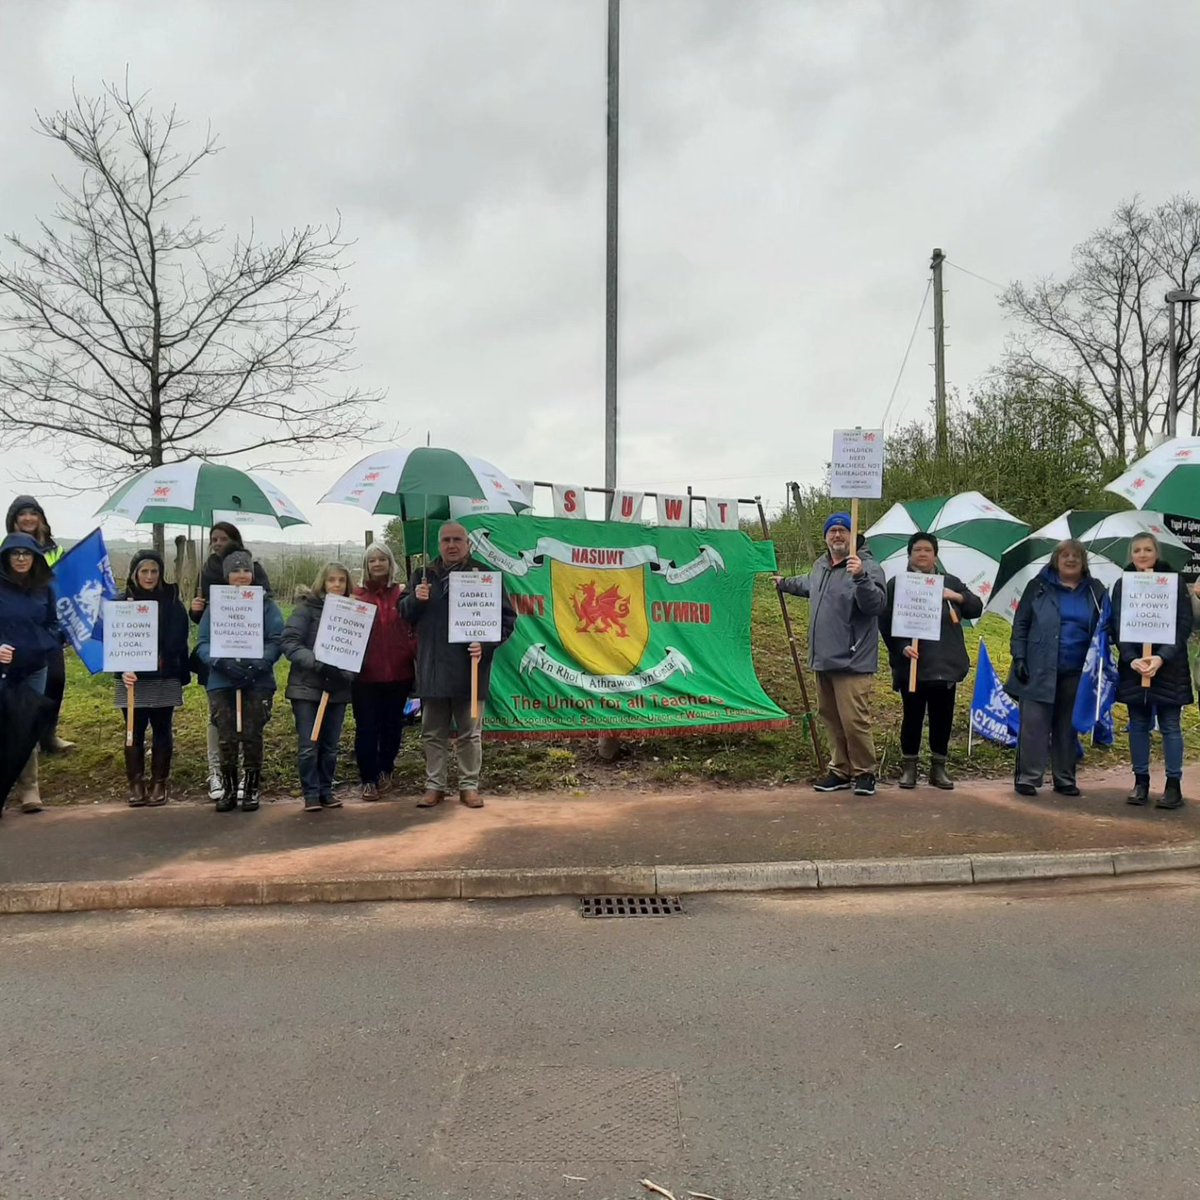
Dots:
pixel 250 786
pixel 229 781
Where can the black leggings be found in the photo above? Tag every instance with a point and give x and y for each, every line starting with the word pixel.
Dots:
pixel 938 699
pixel 161 733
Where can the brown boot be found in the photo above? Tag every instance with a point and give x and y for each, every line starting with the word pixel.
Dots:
pixel 431 799
pixel 471 798
pixel 135 773
pixel 160 772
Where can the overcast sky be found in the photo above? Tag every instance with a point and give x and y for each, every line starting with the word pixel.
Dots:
pixel 786 168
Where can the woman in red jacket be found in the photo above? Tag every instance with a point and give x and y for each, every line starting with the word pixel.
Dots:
pixel 385 681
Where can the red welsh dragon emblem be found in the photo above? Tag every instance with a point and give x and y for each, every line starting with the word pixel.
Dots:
pixel 599 613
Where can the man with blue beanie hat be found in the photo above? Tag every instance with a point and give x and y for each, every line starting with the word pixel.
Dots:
pixel 846 592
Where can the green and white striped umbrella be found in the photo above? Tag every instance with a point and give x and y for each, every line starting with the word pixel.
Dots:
pixel 426 482
pixel 1166 480
pixel 196 492
pixel 1106 535
pixel 972 534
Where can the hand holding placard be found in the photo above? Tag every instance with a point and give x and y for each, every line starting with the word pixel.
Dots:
pixel 475 617
pixel 917 613
pixel 1148 611
pixel 130 645
pixel 341 641
pixel 856 470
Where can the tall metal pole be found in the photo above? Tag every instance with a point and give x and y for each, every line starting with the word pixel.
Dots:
pixel 1172 370
pixel 939 355
pixel 610 338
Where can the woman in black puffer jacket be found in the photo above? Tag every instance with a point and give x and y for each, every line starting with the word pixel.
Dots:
pixel 1170 683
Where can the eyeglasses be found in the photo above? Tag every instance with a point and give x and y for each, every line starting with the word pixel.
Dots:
pixel 21 553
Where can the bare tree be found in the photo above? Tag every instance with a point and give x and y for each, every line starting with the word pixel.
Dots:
pixel 132 342
pixel 1100 335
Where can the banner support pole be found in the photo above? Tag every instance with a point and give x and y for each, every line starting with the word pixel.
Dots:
pixel 791 637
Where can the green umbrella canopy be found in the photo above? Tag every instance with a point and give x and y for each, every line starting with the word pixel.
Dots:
pixel 1105 535
pixel 972 535
pixel 1166 480
pixel 191 492
pixel 427 481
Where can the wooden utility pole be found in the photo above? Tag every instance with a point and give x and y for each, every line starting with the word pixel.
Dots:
pixel 939 355
pixel 610 330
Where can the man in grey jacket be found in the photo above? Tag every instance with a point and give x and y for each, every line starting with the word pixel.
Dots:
pixel 846 591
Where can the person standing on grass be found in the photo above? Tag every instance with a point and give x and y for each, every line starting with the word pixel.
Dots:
pixel 29 635
pixel 1170 687
pixel 941 667
pixel 254 678
pixel 223 538
pixel 386 679
pixel 444 671
pixel 26 515
pixel 847 594
pixel 156 694
pixel 1052 630
pixel 307 681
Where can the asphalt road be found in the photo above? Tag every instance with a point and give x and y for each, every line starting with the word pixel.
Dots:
pixel 1032 1041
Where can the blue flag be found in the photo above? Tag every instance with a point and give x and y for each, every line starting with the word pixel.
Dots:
pixel 994 713
pixel 1097 687
pixel 83 579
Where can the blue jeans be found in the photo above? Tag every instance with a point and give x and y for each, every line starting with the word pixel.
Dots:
pixel 1141 717
pixel 318 760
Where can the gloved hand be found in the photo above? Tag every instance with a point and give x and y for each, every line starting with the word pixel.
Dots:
pixel 237 671
pixel 331 677
pixel 259 673
pixel 1021 670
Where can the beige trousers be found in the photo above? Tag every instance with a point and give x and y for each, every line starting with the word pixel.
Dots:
pixel 843 700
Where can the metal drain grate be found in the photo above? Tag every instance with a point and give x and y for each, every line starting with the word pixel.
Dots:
pixel 630 906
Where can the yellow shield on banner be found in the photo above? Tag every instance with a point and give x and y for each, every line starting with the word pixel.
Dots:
pixel 601 616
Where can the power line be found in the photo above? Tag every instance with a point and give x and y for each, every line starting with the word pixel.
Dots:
pixel 908 350
pixel 982 278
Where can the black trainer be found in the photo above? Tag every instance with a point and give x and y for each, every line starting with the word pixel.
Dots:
pixel 833 782
pixel 864 785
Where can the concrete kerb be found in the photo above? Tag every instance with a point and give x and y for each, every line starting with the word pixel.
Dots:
pixel 495 884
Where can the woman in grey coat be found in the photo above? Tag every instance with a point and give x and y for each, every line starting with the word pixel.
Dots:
pixel 308 680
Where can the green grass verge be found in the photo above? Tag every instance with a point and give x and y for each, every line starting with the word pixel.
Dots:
pixel 95 771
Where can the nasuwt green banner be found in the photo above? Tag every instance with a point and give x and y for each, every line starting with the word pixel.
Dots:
pixel 623 628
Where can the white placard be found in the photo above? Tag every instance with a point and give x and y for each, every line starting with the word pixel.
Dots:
pixel 917 606
pixel 130 635
pixel 235 621
pixel 343 633
pixel 1148 600
pixel 857 466
pixel 474 606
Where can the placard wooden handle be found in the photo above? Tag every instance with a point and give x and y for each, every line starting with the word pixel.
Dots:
pixel 1147 651
pixel 129 688
pixel 316 733
pixel 912 669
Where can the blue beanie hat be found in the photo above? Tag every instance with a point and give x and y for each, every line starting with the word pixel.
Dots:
pixel 842 519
